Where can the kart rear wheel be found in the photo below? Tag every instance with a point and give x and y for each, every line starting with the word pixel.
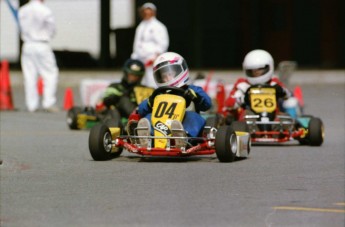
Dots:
pixel 100 144
pixel 72 117
pixel 111 123
pixel 316 132
pixel 112 118
pixel 226 144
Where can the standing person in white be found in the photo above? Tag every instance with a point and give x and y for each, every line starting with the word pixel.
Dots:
pixel 37 27
pixel 151 39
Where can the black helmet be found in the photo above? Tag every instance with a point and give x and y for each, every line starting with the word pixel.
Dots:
pixel 134 67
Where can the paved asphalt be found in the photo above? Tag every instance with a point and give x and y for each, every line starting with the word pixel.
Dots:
pixel 48 177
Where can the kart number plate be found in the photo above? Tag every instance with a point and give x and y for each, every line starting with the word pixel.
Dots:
pixel 166 108
pixel 263 100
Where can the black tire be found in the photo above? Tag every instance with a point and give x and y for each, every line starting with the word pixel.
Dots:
pixel 315 132
pixel 303 141
pixel 110 123
pixel 100 144
pixel 112 113
pixel 72 117
pixel 90 110
pixel 226 144
pixel 112 119
pixel 229 118
pixel 240 126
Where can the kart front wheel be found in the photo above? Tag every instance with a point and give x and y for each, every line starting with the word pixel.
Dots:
pixel 226 144
pixel 100 144
pixel 316 132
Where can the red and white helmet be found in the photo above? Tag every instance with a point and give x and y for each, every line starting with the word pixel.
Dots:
pixel 258 59
pixel 170 69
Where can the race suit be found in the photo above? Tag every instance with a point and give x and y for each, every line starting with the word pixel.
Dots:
pixel 37 28
pixel 237 94
pixel 122 96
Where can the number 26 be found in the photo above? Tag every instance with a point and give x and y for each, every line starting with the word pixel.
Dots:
pixel 263 102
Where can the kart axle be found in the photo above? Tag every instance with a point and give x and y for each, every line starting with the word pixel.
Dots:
pixel 201 149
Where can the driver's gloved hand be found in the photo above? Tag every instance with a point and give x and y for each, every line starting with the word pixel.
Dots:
pixel 190 94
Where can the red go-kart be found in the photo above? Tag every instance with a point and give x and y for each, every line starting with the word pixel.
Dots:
pixel 106 143
pixel 263 119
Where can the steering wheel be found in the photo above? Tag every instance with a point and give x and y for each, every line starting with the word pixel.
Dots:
pixel 168 89
pixel 171 90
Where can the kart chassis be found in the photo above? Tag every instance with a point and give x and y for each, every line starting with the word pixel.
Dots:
pixel 285 129
pixel 205 146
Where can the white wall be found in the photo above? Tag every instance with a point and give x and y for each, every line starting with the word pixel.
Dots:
pixel 9 42
pixel 77 23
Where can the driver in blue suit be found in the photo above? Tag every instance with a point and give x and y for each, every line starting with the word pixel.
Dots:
pixel 170 69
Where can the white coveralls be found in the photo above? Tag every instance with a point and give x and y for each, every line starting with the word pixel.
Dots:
pixel 151 39
pixel 37 27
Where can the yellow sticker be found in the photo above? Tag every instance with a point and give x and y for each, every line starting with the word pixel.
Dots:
pixel 263 100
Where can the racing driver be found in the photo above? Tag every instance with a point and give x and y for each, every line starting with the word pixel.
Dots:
pixel 170 69
pixel 121 94
pixel 258 66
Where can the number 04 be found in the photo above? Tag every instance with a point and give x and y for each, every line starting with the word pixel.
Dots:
pixel 164 109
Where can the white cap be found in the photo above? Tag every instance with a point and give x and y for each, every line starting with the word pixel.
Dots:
pixel 149 5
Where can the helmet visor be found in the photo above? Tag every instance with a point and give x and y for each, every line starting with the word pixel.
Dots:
pixel 135 69
pixel 257 72
pixel 167 73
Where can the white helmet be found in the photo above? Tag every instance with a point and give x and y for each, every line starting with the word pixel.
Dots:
pixel 170 69
pixel 258 60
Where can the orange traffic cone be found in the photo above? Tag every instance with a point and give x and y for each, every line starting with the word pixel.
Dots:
pixel 68 100
pixel 6 102
pixel 40 86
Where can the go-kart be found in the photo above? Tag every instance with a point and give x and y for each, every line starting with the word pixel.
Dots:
pixel 261 116
pixel 86 117
pixel 170 103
